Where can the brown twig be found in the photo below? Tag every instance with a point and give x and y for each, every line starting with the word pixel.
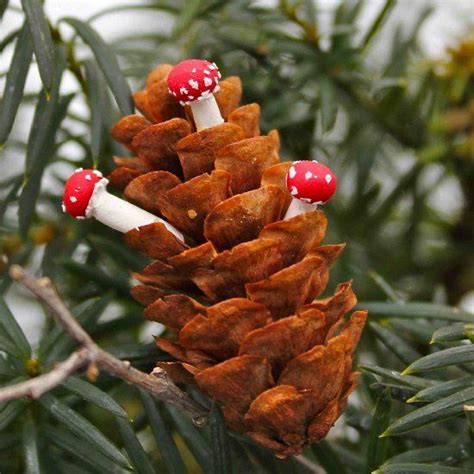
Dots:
pixel 91 354
pixel 34 388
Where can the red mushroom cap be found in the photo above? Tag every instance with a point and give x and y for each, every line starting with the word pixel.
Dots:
pixel 311 182
pixel 193 79
pixel 78 191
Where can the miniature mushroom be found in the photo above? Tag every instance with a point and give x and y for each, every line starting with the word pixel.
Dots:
pixel 310 183
pixel 85 195
pixel 193 82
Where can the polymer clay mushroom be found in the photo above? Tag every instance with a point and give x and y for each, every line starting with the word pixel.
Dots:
pixel 193 82
pixel 85 195
pixel 310 183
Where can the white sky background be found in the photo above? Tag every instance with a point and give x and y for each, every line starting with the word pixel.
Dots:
pixel 444 27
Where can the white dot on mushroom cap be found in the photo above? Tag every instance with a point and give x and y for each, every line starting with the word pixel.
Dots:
pixel 181 102
pixel 73 198
pixel 216 89
pixel 78 170
pixel 216 80
pixel 219 75
pixel 205 95
pixel 292 172
pixel 193 69
pixel 207 72
pixel 328 178
pixel 306 200
pixel 183 90
pixel 88 177
pixel 212 66
pixel 294 191
pixel 308 175
pixel 63 207
pixel 207 81
pixel 97 173
pixel 194 84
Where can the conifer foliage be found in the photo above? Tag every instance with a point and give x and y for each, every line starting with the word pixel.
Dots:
pixel 396 128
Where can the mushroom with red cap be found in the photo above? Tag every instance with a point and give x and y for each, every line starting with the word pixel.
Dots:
pixel 85 195
pixel 193 82
pixel 310 183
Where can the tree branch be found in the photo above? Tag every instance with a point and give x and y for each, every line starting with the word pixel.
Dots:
pixel 35 387
pixel 44 291
pixel 157 383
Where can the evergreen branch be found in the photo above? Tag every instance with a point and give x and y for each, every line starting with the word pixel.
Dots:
pixel 310 32
pixel 378 117
pixel 90 353
pixel 34 388
pixel 353 94
pixel 378 23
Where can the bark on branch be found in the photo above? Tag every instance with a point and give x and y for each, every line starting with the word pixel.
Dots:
pixel 34 388
pixel 91 354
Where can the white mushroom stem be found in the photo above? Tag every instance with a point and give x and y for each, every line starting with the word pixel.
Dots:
pixel 298 207
pixel 122 215
pixel 206 113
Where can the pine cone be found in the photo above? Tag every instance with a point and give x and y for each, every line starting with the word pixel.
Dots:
pixel 239 298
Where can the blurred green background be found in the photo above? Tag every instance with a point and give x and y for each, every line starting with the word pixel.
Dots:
pixel 363 86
